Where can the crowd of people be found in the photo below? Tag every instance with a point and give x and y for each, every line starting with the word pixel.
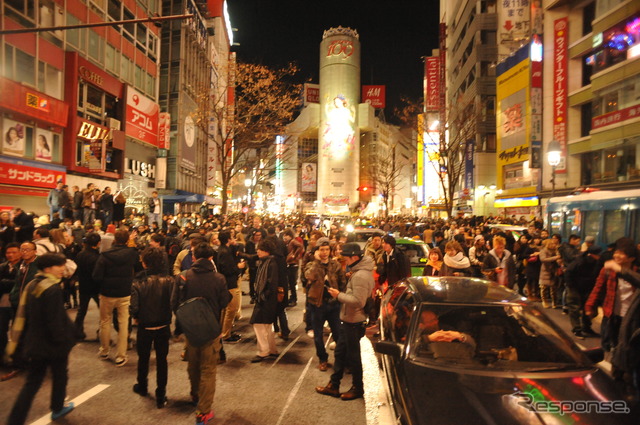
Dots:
pixel 144 269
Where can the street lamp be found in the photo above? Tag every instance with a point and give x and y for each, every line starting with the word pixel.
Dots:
pixel 553 158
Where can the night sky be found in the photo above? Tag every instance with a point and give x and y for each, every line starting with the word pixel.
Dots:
pixel 394 34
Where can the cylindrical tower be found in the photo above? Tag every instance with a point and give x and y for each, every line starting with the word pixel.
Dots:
pixel 339 138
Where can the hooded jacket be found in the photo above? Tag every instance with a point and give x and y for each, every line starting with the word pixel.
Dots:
pixel 359 287
pixel 86 261
pixel 202 281
pixel 114 270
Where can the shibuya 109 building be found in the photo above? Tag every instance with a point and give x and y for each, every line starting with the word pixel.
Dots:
pixel 329 167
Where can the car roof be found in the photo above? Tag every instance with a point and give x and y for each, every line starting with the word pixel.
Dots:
pixel 409 241
pixel 462 290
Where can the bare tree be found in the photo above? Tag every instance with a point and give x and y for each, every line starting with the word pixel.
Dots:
pixel 386 175
pixel 448 158
pixel 246 117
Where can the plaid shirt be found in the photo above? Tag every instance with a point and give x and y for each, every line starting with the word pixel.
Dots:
pixel 603 293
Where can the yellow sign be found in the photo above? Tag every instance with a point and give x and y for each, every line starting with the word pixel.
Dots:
pixel 514 117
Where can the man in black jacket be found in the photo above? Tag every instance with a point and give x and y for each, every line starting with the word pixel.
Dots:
pixel 23 225
pixel 151 309
pixel 202 281
pixel 114 270
pixel 8 273
pixel 229 266
pixel 395 265
pixel 46 336
pixel 89 288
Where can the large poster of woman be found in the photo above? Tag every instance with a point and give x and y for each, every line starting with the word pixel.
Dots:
pixel 13 138
pixel 308 177
pixel 44 145
pixel 339 132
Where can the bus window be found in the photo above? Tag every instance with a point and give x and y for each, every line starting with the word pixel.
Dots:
pixel 573 221
pixel 592 224
pixel 556 222
pixel 614 222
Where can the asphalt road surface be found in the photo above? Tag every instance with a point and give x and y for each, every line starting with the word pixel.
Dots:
pixel 273 392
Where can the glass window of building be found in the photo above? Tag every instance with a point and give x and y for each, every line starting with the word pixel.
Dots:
pixel 25 67
pixel 24 9
pixel 8 61
pixel 96 46
pixel 114 10
pixel 129 29
pixel 76 37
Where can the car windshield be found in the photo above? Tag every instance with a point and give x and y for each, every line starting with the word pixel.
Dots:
pixel 417 254
pixel 507 337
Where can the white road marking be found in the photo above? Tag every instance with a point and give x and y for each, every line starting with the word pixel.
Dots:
pixel 46 419
pixel 282 353
pixel 293 392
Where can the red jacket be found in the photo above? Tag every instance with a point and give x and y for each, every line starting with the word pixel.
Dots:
pixel 603 293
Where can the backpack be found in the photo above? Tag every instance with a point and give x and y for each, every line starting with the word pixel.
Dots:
pixel 197 321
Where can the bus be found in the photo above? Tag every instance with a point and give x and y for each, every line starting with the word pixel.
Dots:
pixel 605 215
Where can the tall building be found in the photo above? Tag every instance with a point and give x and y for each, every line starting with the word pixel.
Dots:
pixel 469 109
pixel 193 68
pixel 596 46
pixel 78 105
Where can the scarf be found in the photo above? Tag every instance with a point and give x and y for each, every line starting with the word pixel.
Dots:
pixel 262 276
pixel 458 261
pixel 435 264
pixel 37 286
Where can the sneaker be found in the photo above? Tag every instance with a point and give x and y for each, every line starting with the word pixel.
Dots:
pixel 139 389
pixel 332 345
pixel 310 333
pixel 121 362
pixel 233 339
pixel 60 413
pixel 103 355
pixel 204 418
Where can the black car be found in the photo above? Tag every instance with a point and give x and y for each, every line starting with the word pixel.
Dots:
pixel 469 351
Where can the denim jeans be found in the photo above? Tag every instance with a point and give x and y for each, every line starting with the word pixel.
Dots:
pixel 329 312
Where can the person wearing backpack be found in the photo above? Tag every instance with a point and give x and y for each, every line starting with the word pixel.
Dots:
pixel 202 281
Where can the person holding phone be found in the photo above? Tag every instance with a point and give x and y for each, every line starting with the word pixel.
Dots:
pixel 499 265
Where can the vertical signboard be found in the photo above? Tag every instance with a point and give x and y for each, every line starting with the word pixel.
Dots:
pixel 311 93
pixel 468 163
pixel 187 134
pixel 432 83
pixel 141 117
pixel 514 20
pixel 420 159
pixel 560 51
pixel 164 128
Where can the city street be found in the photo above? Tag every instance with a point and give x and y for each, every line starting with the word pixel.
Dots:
pixel 273 392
